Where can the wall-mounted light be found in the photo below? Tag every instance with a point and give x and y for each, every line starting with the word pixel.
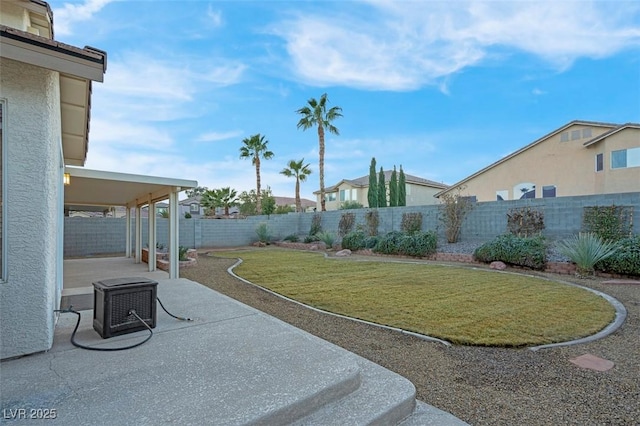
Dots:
pixel 67 179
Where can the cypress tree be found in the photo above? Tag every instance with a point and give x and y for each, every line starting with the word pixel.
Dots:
pixel 382 190
pixel 372 194
pixel 393 188
pixel 402 188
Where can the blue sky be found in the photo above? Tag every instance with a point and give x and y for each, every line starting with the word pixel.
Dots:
pixel 443 88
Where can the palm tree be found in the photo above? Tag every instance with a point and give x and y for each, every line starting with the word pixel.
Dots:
pixel 223 197
pixel 300 171
pixel 254 148
pixel 315 114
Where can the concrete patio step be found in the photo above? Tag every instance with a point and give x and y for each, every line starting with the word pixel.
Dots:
pixel 383 398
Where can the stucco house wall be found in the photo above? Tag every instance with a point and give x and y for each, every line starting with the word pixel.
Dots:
pixel 33 284
pixel 568 166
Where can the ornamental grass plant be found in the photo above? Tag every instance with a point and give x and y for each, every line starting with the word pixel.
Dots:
pixel 585 250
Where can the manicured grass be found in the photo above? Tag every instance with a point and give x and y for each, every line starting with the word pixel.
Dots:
pixel 458 304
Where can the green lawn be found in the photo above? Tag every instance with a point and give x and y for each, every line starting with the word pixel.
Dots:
pixel 458 304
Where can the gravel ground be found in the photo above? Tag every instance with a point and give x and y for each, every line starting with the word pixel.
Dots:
pixel 482 386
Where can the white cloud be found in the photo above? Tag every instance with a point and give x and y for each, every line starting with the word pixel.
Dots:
pixel 219 136
pixel 538 92
pixel 215 17
pixel 64 17
pixel 406 45
pixel 129 134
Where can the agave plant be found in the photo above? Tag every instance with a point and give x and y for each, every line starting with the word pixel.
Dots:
pixel 327 238
pixel 585 250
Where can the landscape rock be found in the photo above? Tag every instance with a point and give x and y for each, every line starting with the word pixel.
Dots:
pixel 497 265
pixel 343 253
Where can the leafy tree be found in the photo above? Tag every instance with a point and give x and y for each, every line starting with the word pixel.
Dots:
pixel 372 193
pixel 402 189
pixel 254 148
pixel 284 209
pixel 315 114
pixel 223 198
pixel 194 192
pixel 300 172
pixel 248 201
pixel 268 202
pixel 382 189
pixel 393 188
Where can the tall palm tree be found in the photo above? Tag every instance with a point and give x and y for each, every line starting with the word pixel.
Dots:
pixel 300 171
pixel 254 148
pixel 315 114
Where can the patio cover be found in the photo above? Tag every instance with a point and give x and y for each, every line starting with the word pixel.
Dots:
pixel 101 188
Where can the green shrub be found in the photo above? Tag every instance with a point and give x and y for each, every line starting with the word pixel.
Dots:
pixel 292 238
pixel 389 243
pixel 411 222
pixel 263 233
pixel 182 253
pixel 350 204
pixel 354 240
pixel 316 224
pixel 347 221
pixel 371 241
pixel 418 244
pixel 327 238
pixel 610 223
pixel 626 260
pixel 311 238
pixel 187 215
pixel 525 222
pixel 522 251
pixel 373 220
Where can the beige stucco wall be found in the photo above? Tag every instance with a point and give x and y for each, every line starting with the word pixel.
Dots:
pixel 31 291
pixel 13 15
pixel 611 181
pixel 568 165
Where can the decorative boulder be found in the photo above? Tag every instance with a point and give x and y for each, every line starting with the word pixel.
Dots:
pixel 343 253
pixel 497 265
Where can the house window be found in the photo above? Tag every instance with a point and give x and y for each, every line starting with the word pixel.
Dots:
pixel 549 191
pixel 194 208
pixel 575 134
pixel 564 136
pixel 524 190
pixel 344 195
pixel 470 198
pixel 331 196
pixel 502 195
pixel 599 162
pixel 625 158
pixel 3 265
pixel 586 133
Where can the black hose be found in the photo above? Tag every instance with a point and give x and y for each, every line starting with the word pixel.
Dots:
pixel 79 345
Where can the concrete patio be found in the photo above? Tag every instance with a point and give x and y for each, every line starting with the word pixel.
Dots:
pixel 231 365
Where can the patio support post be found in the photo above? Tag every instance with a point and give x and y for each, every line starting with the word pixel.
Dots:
pixel 138 233
pixel 152 235
pixel 174 264
pixel 128 232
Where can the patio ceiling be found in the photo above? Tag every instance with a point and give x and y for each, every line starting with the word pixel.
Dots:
pixel 100 188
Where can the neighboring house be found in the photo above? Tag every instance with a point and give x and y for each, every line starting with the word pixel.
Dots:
pixel 306 204
pixel 419 191
pixel 192 206
pixel 579 158
pixel 45 100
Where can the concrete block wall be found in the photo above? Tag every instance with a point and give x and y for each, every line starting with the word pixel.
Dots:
pixel 562 216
